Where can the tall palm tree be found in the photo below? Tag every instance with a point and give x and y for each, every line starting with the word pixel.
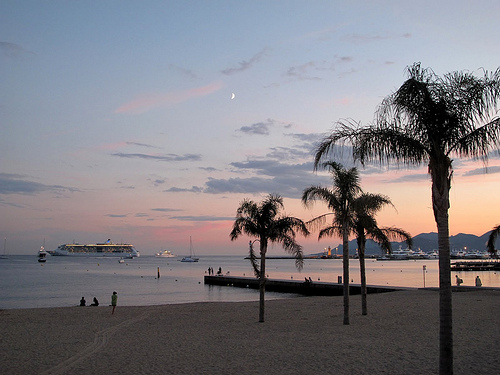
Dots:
pixel 491 241
pixel 263 221
pixel 339 201
pixel 365 226
pixel 429 120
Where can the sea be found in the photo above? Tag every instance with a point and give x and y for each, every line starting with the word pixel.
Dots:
pixel 62 281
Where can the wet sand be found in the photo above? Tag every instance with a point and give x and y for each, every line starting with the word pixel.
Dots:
pixel 302 335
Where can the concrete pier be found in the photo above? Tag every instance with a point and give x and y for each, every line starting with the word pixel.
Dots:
pixel 315 288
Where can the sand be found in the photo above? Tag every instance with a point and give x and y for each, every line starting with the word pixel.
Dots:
pixel 302 335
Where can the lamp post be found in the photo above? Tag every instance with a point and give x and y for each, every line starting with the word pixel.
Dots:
pixel 424 267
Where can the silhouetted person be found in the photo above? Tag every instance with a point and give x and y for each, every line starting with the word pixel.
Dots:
pixel 478 281
pixel 96 302
pixel 82 301
pixel 114 300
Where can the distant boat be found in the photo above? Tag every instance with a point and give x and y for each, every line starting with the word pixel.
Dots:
pixel 4 256
pixel 400 254
pixel 42 255
pixel 191 258
pixel 165 254
pixel 433 255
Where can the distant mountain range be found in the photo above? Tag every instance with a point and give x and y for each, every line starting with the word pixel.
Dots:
pixel 427 242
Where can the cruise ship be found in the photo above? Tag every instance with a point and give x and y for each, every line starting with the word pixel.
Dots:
pixel 106 249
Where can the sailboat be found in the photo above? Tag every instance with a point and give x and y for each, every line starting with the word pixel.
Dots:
pixel 191 258
pixel 4 256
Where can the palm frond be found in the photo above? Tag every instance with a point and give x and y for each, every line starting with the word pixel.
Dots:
pixel 398 234
pixel 314 193
pixel 344 134
pixel 330 231
pixel 492 239
pixel 253 260
pixel 319 221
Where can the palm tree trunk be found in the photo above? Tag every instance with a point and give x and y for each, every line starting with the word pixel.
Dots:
pixel 345 263
pixel 362 271
pixel 262 281
pixel 441 180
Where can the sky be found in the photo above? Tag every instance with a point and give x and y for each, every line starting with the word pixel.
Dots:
pixel 148 122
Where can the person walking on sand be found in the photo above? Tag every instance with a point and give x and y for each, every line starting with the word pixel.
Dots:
pixel 478 281
pixel 114 299
pixel 459 280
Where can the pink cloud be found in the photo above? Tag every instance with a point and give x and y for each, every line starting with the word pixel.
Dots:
pixel 345 101
pixel 148 102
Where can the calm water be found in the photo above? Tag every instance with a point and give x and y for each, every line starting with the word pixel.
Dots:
pixel 62 281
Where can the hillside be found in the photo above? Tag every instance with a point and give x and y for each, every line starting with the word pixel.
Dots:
pixel 428 242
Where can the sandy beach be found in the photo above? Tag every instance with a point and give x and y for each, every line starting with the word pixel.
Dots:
pixel 300 336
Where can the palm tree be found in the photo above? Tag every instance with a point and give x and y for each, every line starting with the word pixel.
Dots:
pixel 339 201
pixel 428 120
pixel 264 222
pixel 365 226
pixel 491 241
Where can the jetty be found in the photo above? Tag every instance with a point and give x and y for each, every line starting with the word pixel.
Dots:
pixel 308 288
pixel 476 266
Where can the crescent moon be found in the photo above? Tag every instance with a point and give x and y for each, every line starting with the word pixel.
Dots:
pixel 232 95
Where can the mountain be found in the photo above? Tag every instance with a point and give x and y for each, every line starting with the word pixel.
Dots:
pixel 427 242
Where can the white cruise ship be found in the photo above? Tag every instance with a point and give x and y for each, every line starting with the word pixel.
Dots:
pixel 106 249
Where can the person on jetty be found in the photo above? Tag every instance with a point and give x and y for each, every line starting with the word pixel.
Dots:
pixel 95 303
pixel 478 281
pixel 459 280
pixel 82 301
pixel 114 300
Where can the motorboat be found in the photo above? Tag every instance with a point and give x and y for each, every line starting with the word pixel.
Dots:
pixel 165 254
pixel 42 255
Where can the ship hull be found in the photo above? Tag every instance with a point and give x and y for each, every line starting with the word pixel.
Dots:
pixel 97 250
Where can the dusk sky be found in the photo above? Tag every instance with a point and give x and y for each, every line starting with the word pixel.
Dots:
pixel 118 118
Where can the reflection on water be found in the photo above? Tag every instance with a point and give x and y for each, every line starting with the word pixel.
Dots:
pixel 62 281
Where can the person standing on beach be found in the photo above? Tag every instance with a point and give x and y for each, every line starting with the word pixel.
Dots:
pixel 114 299
pixel 478 281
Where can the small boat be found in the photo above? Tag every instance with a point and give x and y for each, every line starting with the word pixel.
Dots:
pixel 433 255
pixel 165 254
pixel 4 256
pixel 475 255
pixel 42 255
pixel 400 254
pixel 121 260
pixel 191 258
pixel 417 254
